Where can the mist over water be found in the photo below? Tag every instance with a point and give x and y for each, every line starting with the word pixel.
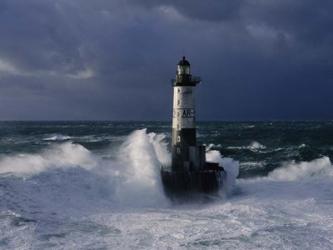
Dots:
pixel 97 185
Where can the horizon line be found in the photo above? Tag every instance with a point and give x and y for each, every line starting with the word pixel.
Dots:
pixel 128 120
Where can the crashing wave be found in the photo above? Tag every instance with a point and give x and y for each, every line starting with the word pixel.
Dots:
pixel 79 178
pixel 295 171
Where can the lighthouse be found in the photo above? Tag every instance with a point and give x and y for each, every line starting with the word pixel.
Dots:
pixel 189 169
pixel 185 153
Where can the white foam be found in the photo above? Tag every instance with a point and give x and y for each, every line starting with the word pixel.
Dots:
pixel 57 156
pixel 130 178
pixel 57 137
pixel 141 157
pixel 295 171
pixel 230 166
pixel 254 146
pixel 133 173
pixel 212 145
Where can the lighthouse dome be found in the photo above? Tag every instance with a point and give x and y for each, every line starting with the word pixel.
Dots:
pixel 184 62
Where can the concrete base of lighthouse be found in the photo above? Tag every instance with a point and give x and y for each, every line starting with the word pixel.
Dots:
pixel 206 180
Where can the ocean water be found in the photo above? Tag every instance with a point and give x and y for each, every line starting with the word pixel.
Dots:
pixel 96 185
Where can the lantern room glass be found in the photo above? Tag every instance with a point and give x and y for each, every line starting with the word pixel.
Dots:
pixel 183 70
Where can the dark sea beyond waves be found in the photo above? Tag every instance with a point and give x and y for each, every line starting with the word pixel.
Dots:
pixel 260 147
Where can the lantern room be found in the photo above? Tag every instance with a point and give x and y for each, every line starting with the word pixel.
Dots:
pixel 183 67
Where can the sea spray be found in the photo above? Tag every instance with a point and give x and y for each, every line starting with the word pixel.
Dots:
pixel 141 156
pixel 131 177
pixel 292 171
pixel 56 156
pixel 230 166
pixel 67 175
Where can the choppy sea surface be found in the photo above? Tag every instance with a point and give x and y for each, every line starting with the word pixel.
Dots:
pixel 96 185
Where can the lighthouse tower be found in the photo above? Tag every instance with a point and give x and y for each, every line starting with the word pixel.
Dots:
pixel 189 170
pixel 186 155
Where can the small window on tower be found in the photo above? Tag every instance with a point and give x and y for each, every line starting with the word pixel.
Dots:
pixel 178 90
pixel 178 102
pixel 178 138
pixel 178 150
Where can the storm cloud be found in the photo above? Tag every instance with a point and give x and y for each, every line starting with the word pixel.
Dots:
pixel 113 60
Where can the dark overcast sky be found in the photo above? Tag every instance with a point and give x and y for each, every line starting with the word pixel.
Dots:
pixel 113 59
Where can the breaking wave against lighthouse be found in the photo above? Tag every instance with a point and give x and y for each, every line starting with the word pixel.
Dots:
pixel 129 175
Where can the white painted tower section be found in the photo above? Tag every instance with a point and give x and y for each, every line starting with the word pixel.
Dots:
pixel 183 108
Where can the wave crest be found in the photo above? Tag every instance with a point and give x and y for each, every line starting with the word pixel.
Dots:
pixel 230 166
pixel 254 147
pixel 57 137
pixel 57 156
pixel 296 171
